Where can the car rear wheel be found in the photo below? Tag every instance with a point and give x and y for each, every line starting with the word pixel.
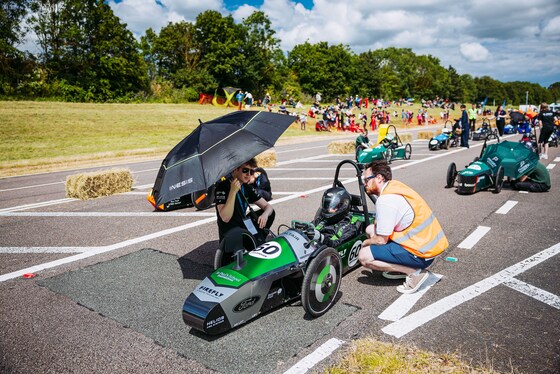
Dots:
pixel 321 282
pixel 203 200
pixel 388 155
pixel 407 151
pixel 499 179
pixel 451 175
pixel 446 144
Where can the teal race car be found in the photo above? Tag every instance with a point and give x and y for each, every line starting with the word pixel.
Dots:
pixel 286 268
pixel 497 161
pixel 390 148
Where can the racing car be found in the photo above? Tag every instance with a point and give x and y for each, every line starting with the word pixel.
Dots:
pixel 496 161
pixel 286 268
pixel 390 148
pixel 449 137
pixel 484 131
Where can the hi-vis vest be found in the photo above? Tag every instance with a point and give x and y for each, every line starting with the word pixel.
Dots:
pixel 424 237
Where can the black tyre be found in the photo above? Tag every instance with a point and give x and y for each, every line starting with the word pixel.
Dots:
pixel 321 282
pixel 203 200
pixel 446 144
pixel 499 179
pixel 407 151
pixel 429 145
pixel 451 175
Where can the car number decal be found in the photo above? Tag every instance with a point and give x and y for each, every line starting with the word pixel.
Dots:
pixel 353 255
pixel 267 251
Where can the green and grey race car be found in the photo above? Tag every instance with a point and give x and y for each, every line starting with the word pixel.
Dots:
pixel 286 268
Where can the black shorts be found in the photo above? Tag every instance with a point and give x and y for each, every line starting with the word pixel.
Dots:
pixel 545 134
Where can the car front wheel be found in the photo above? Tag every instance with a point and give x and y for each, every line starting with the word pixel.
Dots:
pixel 321 282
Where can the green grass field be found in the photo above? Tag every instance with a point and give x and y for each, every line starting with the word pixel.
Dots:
pixel 42 136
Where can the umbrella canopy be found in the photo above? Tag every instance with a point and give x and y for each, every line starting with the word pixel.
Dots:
pixel 516 159
pixel 214 149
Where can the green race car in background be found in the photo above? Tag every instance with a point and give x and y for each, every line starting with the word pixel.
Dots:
pixel 390 148
pixel 496 161
pixel 286 268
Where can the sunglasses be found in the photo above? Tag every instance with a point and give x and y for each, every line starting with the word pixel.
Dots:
pixel 248 171
pixel 366 179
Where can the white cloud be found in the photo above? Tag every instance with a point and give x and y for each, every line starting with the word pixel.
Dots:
pixel 474 52
pixel 552 29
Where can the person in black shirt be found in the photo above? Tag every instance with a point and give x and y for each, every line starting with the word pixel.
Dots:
pixel 233 197
pixel 546 119
pixel 261 183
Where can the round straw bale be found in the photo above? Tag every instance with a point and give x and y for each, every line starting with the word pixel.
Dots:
pixel 267 159
pixel 98 183
pixel 425 135
pixel 342 147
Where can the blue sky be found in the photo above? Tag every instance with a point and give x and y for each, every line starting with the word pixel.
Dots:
pixel 509 40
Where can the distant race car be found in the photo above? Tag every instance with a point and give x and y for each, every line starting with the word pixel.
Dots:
pixel 496 161
pixel 286 268
pixel 449 137
pixel 484 132
pixel 390 148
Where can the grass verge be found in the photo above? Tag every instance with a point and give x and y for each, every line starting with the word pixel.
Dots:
pixel 372 356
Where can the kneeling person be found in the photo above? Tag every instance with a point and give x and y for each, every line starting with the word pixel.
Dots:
pixel 538 180
pixel 406 237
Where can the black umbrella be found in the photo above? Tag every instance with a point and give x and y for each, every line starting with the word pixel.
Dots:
pixel 214 149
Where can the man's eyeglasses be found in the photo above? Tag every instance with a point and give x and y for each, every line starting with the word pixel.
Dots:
pixel 366 179
pixel 248 171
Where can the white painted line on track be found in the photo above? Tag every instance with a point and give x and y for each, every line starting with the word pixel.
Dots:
pixel 557 159
pixel 33 186
pixel 300 160
pixel 37 205
pixel 325 350
pixel 20 250
pixel 550 166
pixel 523 191
pixel 419 318
pixel 405 302
pixel 534 292
pixel 144 186
pixel 506 207
pixel 302 149
pixel 99 250
pixel 286 193
pixel 108 214
pixel 471 240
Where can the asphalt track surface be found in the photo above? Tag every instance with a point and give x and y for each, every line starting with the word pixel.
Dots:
pixel 112 274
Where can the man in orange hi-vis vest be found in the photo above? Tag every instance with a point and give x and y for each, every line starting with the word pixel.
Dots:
pixel 406 236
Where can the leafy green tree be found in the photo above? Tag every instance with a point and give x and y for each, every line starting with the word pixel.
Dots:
pixel 260 48
pixel 86 48
pixel 221 47
pixel 322 68
pixel 14 64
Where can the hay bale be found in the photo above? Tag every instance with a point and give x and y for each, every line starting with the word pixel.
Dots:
pixel 425 135
pixel 342 147
pixel 406 138
pixel 98 183
pixel 267 159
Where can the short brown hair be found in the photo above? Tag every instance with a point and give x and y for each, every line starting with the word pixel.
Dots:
pixel 380 167
pixel 252 163
pixel 544 106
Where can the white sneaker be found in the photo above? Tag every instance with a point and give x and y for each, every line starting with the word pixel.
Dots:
pixel 413 282
pixel 541 156
pixel 545 157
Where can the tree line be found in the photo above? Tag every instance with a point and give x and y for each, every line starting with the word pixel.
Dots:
pixel 86 54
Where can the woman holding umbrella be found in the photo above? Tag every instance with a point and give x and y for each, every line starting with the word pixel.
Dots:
pixel 233 197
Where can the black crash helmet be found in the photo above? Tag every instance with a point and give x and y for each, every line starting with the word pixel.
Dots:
pixel 335 204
